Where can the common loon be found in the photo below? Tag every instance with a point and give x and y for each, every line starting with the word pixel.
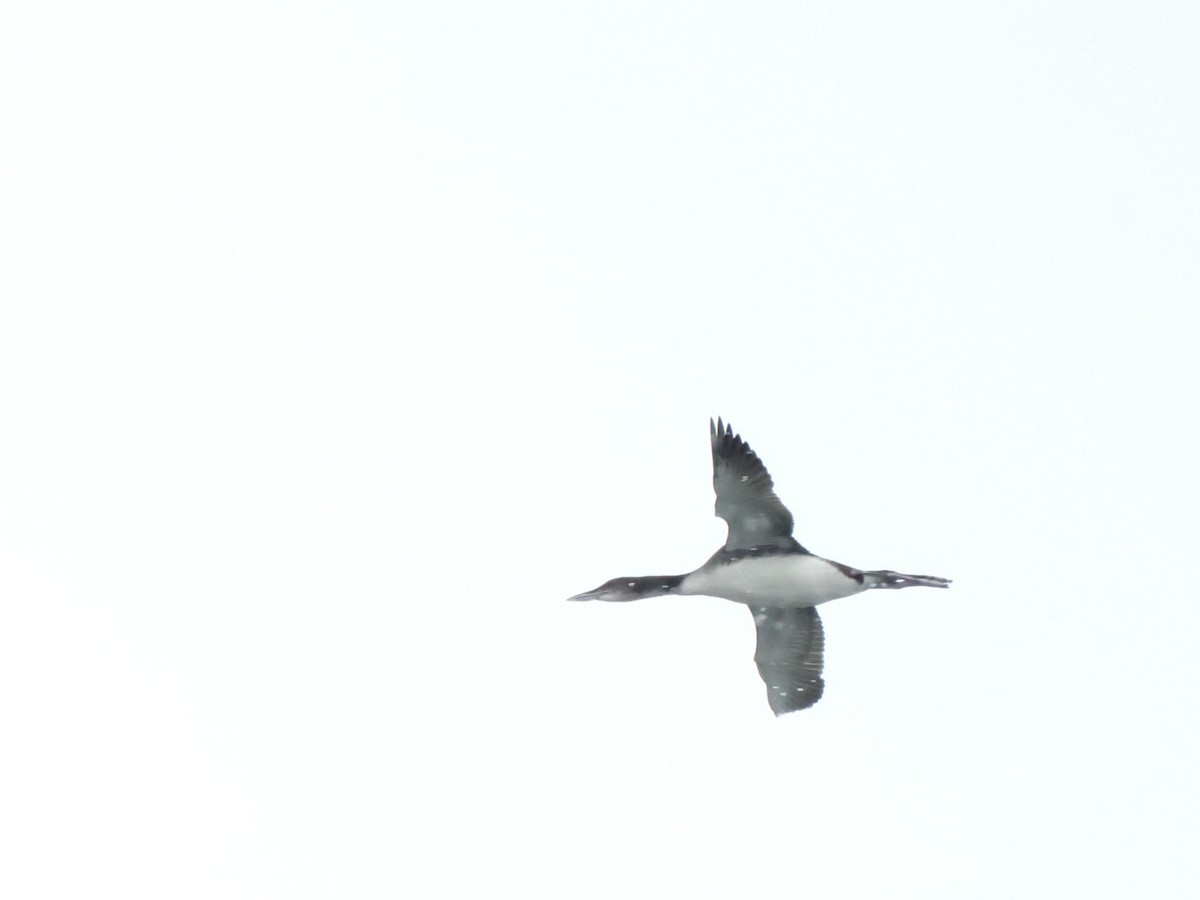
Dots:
pixel 763 566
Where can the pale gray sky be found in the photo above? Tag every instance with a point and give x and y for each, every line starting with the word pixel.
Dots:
pixel 340 342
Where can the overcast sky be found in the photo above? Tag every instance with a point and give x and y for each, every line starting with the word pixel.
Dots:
pixel 339 343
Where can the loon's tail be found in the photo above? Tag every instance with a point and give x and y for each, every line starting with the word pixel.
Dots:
pixel 624 589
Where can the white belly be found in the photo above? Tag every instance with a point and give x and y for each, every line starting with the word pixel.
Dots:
pixel 773 581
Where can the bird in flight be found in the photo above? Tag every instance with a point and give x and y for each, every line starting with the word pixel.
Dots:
pixel 764 567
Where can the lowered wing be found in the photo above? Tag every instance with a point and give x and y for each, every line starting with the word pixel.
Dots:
pixel 790 655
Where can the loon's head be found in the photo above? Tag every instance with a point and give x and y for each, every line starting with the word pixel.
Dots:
pixel 620 590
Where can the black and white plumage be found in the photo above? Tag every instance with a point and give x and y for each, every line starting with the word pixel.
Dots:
pixel 764 567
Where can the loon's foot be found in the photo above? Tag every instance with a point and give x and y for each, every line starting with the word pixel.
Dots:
pixel 886 578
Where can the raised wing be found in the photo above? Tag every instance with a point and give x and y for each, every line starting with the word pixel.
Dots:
pixel 746 495
pixel 790 656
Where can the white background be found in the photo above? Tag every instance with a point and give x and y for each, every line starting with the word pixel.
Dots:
pixel 340 342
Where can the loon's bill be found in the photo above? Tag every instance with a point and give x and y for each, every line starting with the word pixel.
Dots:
pixel 764 567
